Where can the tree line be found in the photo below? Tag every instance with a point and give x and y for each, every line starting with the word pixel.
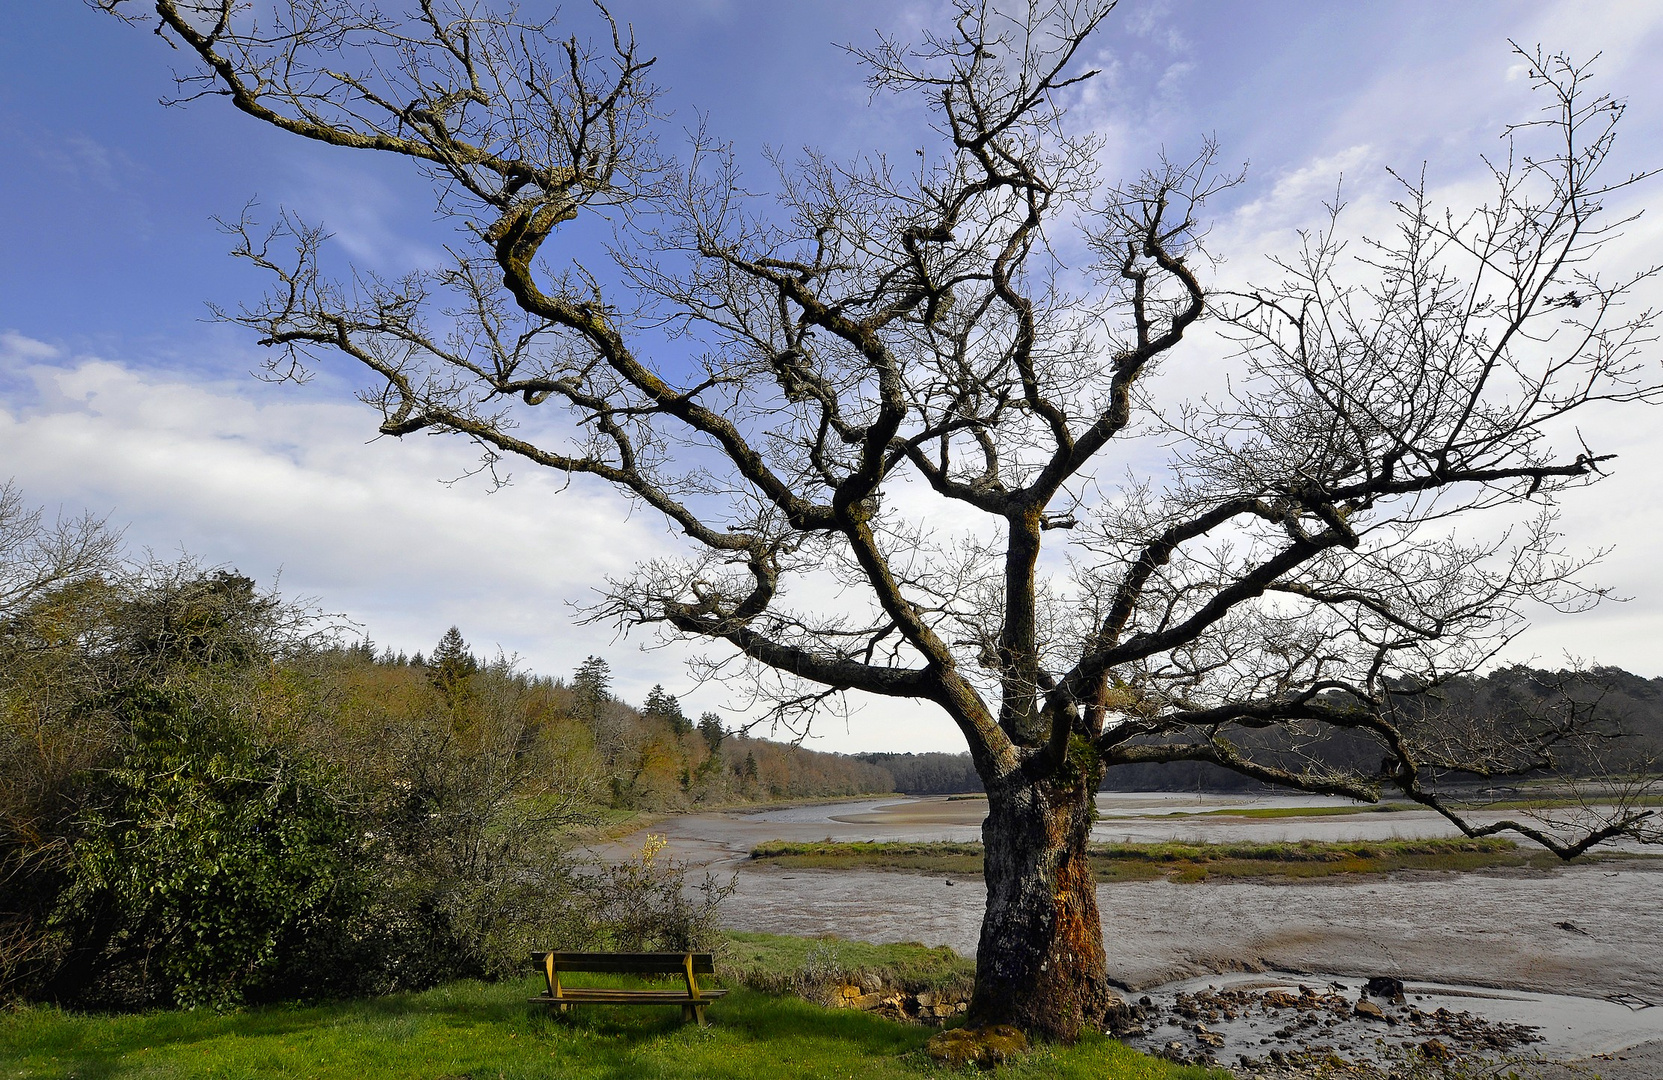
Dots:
pixel 1624 710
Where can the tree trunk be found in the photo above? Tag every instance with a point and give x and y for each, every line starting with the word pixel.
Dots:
pixel 1040 961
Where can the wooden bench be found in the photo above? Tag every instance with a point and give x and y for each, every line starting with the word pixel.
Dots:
pixel 689 965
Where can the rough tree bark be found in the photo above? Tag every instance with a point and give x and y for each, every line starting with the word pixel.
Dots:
pixel 1040 961
pixel 983 331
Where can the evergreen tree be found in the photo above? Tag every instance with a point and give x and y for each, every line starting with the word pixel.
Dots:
pixel 592 686
pixel 451 665
pixel 665 708
pixel 710 726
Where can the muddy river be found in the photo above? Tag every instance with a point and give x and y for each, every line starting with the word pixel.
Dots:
pixel 1582 944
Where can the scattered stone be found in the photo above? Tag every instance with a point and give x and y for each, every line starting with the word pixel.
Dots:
pixel 1308 1026
pixel 1369 1010
pixel 1434 1050
pixel 1123 1020
pixel 986 1048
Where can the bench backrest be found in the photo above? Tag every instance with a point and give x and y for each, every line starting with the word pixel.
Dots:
pixel 641 963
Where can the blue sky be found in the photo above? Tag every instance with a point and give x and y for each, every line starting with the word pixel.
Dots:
pixel 117 396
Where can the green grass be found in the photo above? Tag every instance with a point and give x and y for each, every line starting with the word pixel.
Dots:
pixel 779 961
pixel 487 1032
pixel 1180 861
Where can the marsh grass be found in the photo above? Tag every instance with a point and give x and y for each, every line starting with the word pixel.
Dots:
pixel 476 1031
pixel 1185 862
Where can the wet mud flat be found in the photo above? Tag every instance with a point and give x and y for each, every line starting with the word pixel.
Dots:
pixel 1586 940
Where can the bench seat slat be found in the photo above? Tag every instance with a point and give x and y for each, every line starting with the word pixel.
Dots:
pixel 646 963
pixel 578 995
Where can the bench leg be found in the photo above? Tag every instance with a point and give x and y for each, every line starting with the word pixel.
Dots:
pixel 698 1011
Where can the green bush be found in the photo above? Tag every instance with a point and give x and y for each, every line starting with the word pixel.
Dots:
pixel 205 870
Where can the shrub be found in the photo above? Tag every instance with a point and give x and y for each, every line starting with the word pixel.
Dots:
pixel 646 904
pixel 203 869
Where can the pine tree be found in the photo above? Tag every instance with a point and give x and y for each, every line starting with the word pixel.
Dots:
pixel 451 666
pixel 710 726
pixel 592 687
pixel 665 708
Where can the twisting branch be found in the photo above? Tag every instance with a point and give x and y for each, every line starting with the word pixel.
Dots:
pixel 799 388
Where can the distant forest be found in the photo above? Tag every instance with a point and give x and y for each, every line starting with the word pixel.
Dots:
pixel 1625 710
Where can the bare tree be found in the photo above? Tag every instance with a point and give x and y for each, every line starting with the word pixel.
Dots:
pixel 55 580
pixel 37 557
pixel 800 386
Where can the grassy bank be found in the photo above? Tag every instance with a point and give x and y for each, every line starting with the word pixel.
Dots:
pixel 1179 861
pixel 778 962
pixel 476 1031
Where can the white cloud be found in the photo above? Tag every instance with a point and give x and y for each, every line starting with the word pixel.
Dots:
pixel 276 481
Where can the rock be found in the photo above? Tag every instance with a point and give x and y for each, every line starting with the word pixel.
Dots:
pixel 1120 1019
pixel 985 1048
pixel 1369 1010
pixel 867 1002
pixel 1281 999
pixel 1384 986
pixel 849 990
pixel 870 982
pixel 1433 1050
pixel 1209 1038
pixel 926 999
